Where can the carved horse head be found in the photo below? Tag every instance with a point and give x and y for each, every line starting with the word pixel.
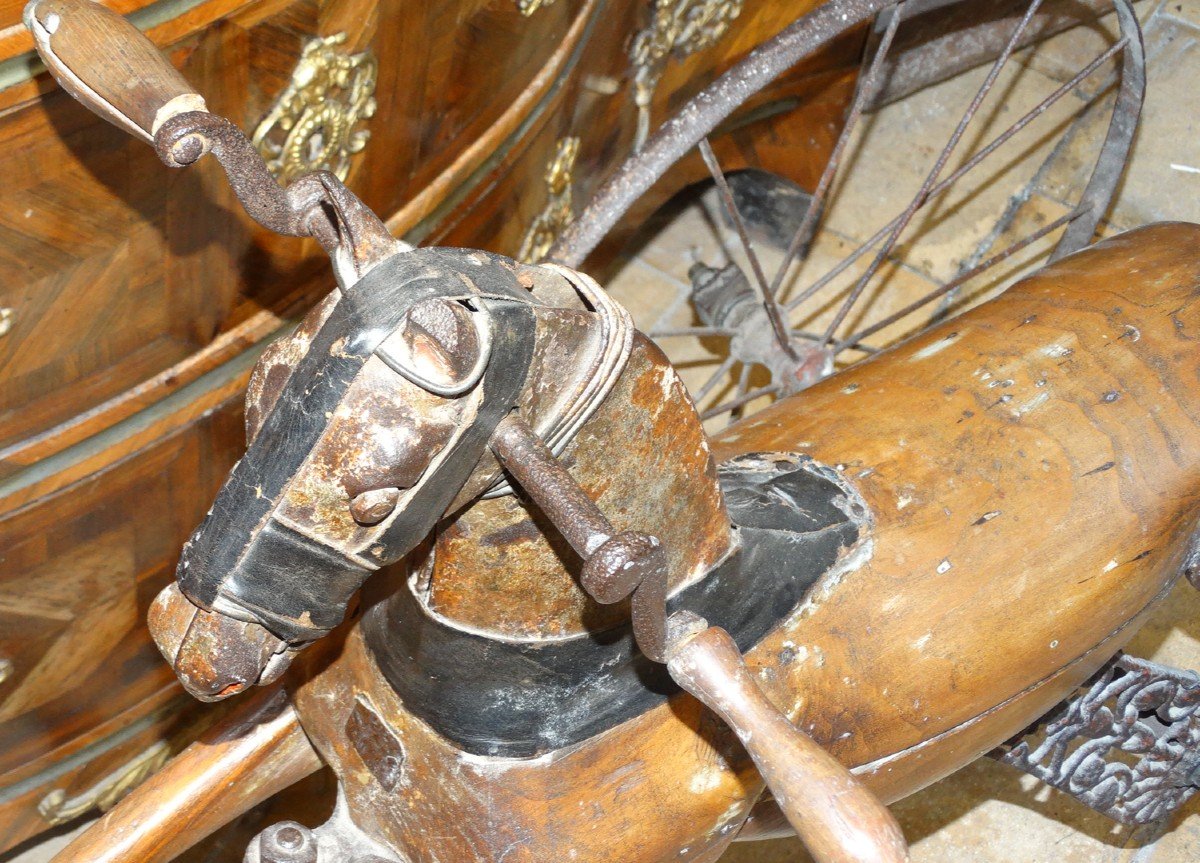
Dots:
pixel 366 427
pixel 400 402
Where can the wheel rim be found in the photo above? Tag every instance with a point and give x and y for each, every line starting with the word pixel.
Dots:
pixel 785 326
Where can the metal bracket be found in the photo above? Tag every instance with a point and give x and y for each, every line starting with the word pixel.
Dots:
pixel 316 205
pixel 1127 743
pixel 616 564
pixel 338 840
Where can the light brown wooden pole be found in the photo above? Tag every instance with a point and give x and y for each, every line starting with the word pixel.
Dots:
pixel 836 817
pixel 108 65
pixel 254 753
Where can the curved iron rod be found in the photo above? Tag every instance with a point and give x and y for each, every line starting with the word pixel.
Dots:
pixel 1122 127
pixel 760 278
pixel 733 404
pixel 957 281
pixel 931 178
pixel 867 90
pixel 700 116
pixel 961 171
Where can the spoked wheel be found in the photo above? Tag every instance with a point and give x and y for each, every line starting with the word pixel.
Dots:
pixel 801 288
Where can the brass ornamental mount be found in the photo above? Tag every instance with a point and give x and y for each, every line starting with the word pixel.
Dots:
pixel 679 28
pixel 557 212
pixel 57 808
pixel 528 7
pixel 315 123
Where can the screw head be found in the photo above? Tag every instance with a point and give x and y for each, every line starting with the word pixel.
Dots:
pixel 287 842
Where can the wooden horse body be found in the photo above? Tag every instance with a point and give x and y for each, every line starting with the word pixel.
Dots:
pixel 997 562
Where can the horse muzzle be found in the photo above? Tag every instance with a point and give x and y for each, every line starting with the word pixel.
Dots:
pixel 214 655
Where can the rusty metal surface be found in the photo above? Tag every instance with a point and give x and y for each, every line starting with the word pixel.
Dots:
pixel 501 568
pixel 533 465
pixel 724 299
pixel 798 523
pixel 616 565
pixel 1118 142
pixel 316 205
pixel 214 656
pixel 755 323
pixel 376 745
pixel 1127 744
pixel 942 38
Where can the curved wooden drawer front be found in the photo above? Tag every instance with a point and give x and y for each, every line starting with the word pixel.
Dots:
pixel 114 268
pixel 86 691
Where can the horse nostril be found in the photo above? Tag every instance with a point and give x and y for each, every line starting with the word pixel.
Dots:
pixel 372 507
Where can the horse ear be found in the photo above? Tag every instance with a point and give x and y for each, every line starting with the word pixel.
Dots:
pixel 441 346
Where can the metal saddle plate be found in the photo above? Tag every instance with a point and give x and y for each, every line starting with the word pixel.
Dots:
pixel 796 520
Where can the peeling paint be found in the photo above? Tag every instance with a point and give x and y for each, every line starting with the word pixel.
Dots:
pixel 934 348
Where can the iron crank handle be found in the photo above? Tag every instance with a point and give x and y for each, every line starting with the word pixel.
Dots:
pixel 838 819
pixel 616 564
pixel 109 66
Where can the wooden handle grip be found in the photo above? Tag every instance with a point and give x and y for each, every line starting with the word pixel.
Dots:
pixel 837 818
pixel 108 65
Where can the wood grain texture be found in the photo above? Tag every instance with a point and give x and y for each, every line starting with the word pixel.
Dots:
pixel 1007 562
pixel 1030 486
pixel 837 818
pixel 87 687
pixel 107 65
pixel 255 752
pixel 140 297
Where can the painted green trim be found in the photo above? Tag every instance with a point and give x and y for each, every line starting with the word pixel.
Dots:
pixel 114 434
pixel 27 66
pixel 92 751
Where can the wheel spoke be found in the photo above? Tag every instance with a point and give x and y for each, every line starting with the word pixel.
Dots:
pixel 743 385
pixel 733 404
pixel 850 341
pixel 721 372
pixel 868 88
pixel 768 300
pixel 854 345
pixel 729 386
pixel 967 166
pixel 931 178
pixel 697 332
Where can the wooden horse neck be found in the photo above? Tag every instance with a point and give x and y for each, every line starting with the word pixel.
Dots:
pixel 499 567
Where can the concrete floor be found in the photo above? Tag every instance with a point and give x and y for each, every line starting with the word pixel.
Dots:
pixel 987 813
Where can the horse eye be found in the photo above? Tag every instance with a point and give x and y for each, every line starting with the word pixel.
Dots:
pixel 372 507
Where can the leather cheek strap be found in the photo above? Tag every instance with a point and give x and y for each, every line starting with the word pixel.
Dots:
pixel 299 588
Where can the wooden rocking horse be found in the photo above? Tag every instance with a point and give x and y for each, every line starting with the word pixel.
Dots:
pixel 870 584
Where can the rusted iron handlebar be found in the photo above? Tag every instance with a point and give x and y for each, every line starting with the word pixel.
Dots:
pixel 615 564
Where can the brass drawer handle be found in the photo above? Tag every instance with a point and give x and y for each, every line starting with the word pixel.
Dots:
pixel 314 123
pixel 57 808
